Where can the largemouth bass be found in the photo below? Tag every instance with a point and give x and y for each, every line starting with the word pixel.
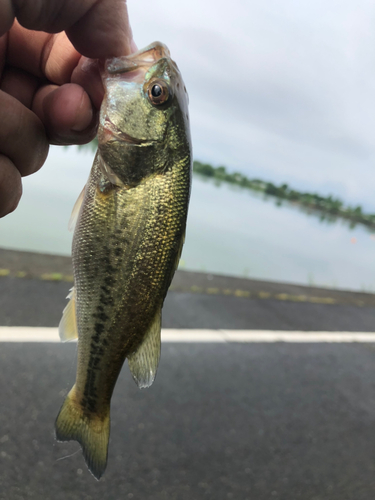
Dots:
pixel 127 242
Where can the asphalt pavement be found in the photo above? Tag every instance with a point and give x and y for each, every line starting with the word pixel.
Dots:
pixel 37 302
pixel 242 421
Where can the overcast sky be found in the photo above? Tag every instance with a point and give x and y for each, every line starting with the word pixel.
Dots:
pixel 282 90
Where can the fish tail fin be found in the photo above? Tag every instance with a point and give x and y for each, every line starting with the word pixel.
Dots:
pixel 89 429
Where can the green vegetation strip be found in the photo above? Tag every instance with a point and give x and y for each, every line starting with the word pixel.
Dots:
pixel 329 205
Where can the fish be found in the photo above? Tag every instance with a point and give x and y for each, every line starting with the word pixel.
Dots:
pixel 129 229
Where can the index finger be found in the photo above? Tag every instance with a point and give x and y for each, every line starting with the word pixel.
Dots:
pixel 97 29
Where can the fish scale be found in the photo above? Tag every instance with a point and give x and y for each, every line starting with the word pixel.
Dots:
pixel 128 238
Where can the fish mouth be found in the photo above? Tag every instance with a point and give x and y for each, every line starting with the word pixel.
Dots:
pixel 143 58
pixel 109 131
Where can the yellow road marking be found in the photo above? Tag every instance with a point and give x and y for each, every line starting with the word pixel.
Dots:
pixel 207 291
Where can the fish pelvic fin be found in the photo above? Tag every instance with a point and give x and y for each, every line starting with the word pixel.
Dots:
pixel 143 363
pixel 91 431
pixel 68 323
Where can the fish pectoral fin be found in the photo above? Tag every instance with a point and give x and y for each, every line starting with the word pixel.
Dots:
pixel 143 363
pixel 75 212
pixel 68 323
pixel 109 174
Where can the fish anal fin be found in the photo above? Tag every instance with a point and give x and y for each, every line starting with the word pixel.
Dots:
pixel 68 323
pixel 75 212
pixel 90 430
pixel 143 363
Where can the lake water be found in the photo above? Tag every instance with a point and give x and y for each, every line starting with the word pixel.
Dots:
pixel 230 230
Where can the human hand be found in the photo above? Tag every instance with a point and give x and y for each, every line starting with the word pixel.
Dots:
pixel 49 93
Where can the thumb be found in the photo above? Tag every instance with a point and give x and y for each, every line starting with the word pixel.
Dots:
pixel 97 29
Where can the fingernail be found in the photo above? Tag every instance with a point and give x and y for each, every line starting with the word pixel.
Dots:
pixel 87 65
pixel 83 117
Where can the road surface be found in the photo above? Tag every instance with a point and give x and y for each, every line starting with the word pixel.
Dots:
pixel 229 420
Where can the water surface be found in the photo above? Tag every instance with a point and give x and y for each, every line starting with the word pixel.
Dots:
pixel 230 230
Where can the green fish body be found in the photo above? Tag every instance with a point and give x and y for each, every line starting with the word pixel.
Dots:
pixel 131 220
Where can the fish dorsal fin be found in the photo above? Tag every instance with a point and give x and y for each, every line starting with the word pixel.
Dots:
pixel 75 212
pixel 178 256
pixel 109 174
pixel 68 324
pixel 143 363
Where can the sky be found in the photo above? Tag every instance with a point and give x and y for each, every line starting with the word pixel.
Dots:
pixel 279 90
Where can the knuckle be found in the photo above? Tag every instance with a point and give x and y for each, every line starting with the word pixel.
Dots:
pixel 22 135
pixel 10 186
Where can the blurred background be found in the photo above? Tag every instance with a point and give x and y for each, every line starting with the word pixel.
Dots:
pixel 265 389
pixel 280 92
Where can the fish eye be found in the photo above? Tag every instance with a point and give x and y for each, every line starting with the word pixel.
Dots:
pixel 158 92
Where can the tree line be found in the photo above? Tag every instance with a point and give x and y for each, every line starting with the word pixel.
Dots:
pixel 326 204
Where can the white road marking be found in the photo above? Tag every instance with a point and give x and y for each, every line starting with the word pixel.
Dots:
pixel 38 334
